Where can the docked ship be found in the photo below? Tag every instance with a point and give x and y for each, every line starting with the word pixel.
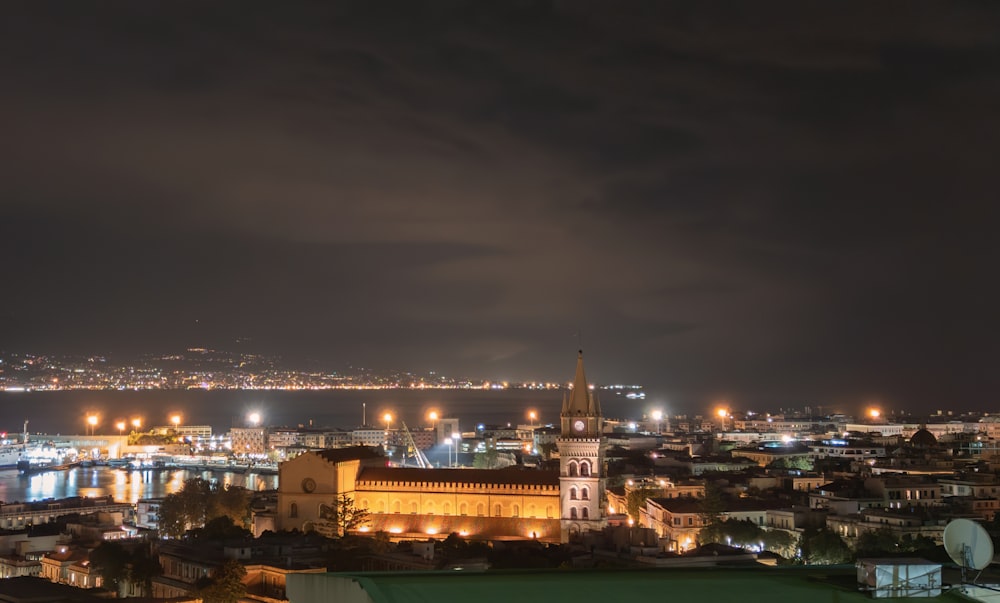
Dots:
pixel 46 457
pixel 11 450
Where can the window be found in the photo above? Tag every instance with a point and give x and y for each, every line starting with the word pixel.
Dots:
pixel 585 469
pixel 572 493
pixel 572 469
pixel 585 493
pixel 446 508
pixel 516 511
pixel 572 512
pixel 463 509
pixel 497 511
pixel 480 509
pixel 677 521
pixel 293 510
pixel 690 521
pixel 396 507
pixel 381 506
pixel 584 513
pixel 413 508
pixel 430 507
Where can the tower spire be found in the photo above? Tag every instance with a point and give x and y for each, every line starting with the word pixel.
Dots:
pixel 581 401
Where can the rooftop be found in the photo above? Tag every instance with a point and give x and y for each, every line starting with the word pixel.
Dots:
pixel 749 585
pixel 516 476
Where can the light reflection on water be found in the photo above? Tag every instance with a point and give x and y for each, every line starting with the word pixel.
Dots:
pixel 124 486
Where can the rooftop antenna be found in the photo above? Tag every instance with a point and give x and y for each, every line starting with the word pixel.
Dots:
pixel 969 545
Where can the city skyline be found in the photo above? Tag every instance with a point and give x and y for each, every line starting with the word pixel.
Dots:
pixel 776 205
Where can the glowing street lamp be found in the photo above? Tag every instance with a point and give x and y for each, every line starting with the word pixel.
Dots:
pixel 176 420
pixel 121 427
pixel 387 417
pixel 92 421
pixel 532 416
pixel 433 416
pixel 136 424
pixel 657 416
pixel 723 413
pixel 254 418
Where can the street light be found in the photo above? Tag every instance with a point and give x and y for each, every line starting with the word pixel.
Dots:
pixel 92 421
pixel 387 417
pixel 532 416
pixel 121 427
pixel 136 424
pixel 176 420
pixel 451 442
pixel 433 416
pixel 254 418
pixel 723 413
pixel 657 416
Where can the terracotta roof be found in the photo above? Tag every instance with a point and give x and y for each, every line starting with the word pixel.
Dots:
pixel 526 477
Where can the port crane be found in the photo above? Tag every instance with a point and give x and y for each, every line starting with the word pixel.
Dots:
pixel 418 454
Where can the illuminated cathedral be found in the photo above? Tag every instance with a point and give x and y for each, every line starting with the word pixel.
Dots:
pixel 510 503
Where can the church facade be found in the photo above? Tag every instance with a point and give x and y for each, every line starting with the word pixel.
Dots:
pixel 511 503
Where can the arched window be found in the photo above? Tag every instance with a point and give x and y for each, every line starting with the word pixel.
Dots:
pixel 585 493
pixel 381 506
pixel 463 509
pixel 571 468
pixel 446 508
pixel 584 513
pixel 396 507
pixel 515 511
pixel 293 510
pixel 572 493
pixel 413 508
pixel 430 507
pixel 585 469
pixel 480 509
pixel 363 503
pixel 498 511
pixel 572 512
pixel 548 511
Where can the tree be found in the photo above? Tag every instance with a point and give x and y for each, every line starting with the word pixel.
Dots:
pixel 780 542
pixel 712 505
pixel 636 499
pixel 230 501
pixel 877 542
pixel 486 460
pixel 226 584
pixel 732 531
pixel 220 528
pixel 340 518
pixel 824 547
pixel 200 501
pixel 111 560
pixel 143 569
pixel 801 463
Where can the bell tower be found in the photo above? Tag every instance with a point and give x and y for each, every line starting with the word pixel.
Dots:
pixel 581 459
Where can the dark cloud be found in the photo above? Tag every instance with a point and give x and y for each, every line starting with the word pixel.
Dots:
pixel 779 202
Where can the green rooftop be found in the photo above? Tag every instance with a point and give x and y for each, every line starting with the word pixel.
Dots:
pixel 815 584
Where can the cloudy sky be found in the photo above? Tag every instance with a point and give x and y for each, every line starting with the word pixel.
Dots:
pixel 776 203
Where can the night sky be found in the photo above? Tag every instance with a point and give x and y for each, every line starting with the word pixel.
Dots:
pixel 775 203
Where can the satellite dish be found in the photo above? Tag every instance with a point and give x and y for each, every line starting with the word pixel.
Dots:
pixel 968 544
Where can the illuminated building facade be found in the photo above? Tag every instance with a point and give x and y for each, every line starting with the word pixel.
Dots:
pixel 511 503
